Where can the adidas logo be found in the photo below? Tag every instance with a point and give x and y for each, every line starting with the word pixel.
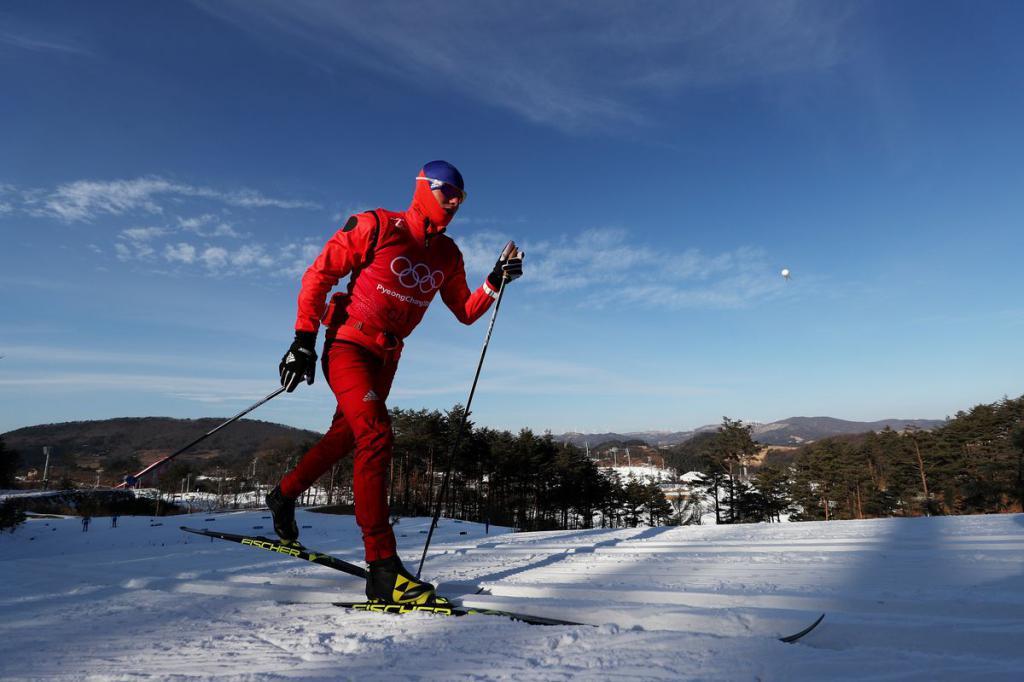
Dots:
pixel 370 395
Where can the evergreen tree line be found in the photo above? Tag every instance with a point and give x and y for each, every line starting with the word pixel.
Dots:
pixel 974 464
pixel 526 481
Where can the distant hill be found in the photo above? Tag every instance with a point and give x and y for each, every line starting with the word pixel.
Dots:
pixel 792 431
pixel 799 430
pixel 113 441
pixel 652 438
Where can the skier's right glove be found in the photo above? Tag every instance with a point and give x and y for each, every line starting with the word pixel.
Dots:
pixel 299 362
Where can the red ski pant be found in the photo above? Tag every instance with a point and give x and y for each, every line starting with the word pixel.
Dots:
pixel 361 382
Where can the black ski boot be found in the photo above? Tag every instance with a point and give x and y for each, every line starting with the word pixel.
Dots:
pixel 390 582
pixel 283 510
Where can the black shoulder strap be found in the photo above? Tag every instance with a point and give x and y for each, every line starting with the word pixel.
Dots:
pixel 373 248
pixel 376 233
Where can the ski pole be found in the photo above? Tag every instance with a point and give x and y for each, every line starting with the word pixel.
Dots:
pixel 462 424
pixel 201 438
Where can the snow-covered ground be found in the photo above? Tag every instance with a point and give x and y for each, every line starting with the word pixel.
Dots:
pixel 921 599
pixel 642 473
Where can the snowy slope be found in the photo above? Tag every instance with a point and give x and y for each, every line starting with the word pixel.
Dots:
pixel 643 474
pixel 923 599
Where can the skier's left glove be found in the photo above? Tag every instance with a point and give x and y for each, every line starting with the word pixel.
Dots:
pixel 508 267
pixel 299 362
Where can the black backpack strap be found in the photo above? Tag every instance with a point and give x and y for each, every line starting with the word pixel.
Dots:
pixel 376 233
pixel 374 238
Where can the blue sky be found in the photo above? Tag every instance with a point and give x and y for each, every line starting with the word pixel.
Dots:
pixel 168 170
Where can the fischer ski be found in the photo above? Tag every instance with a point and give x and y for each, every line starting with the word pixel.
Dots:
pixel 287 549
pixel 444 608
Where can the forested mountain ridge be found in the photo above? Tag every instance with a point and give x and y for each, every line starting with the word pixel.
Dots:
pixel 973 463
pixel 114 443
pixel 791 431
pixel 157 436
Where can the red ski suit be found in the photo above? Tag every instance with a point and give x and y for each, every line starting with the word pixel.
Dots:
pixel 396 271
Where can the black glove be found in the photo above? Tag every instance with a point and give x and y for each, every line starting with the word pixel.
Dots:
pixel 299 362
pixel 508 267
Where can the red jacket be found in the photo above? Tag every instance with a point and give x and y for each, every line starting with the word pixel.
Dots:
pixel 394 282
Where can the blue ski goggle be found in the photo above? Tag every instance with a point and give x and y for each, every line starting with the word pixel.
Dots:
pixel 449 190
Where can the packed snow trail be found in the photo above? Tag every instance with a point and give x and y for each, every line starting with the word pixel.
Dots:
pixel 929 598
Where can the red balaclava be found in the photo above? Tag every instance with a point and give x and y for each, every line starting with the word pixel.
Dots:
pixel 425 212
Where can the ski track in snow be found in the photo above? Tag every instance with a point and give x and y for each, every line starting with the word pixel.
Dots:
pixel 907 599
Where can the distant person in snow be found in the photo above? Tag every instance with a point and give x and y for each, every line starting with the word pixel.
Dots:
pixel 85 523
pixel 398 262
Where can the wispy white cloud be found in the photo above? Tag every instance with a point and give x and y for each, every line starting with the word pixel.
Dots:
pixel 596 268
pixel 196 223
pixel 136 243
pixel 220 260
pixel 173 240
pixel 573 66
pixel 85 200
pixel 610 266
pixel 248 198
pixel 142 244
pixel 215 257
pixel 208 225
pixel 36 41
pixel 129 248
pixel 252 254
pixel 143 234
pixel 180 252
pixel 296 257
pixel 13 198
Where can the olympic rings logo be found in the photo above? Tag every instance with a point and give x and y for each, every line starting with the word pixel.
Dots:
pixel 419 275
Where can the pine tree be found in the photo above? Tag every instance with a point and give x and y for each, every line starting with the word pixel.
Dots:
pixel 773 484
pixel 656 507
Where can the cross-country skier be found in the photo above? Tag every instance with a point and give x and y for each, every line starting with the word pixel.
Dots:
pixel 398 262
